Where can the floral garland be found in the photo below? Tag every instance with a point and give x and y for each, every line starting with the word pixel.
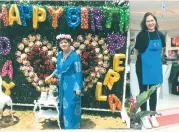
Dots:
pixel 38 59
pixel 94 56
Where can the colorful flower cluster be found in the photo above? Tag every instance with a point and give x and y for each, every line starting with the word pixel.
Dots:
pixel 38 59
pixel 94 56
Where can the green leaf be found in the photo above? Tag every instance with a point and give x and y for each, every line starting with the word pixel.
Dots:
pixel 143 97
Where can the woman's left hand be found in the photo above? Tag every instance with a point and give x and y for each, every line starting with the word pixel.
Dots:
pixel 78 92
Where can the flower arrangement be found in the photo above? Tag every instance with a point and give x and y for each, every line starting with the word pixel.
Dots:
pixel 94 56
pixel 38 58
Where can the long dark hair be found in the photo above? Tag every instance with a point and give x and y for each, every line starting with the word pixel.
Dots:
pixel 143 22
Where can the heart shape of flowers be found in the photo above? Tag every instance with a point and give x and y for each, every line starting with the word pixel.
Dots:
pixel 94 55
pixel 38 59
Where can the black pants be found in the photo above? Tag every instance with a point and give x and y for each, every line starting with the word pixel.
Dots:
pixel 153 97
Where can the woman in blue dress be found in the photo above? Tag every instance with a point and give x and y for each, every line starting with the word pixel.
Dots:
pixel 69 72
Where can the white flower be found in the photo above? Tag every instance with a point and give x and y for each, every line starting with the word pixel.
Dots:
pixel 44 48
pixel 31 74
pixel 94 43
pixel 54 59
pixel 25 41
pixel 97 50
pixel 86 42
pixel 38 43
pixel 76 44
pixel 21 46
pixel 100 63
pixel 105 52
pixel 82 46
pixel 27 50
pixel 41 82
pixel 23 56
pixel 49 45
pixel 100 56
pixel 31 44
pixel 101 41
pixel 50 53
pixel 38 36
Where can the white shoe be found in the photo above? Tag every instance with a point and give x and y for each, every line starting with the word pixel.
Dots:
pixel 154 121
pixel 146 123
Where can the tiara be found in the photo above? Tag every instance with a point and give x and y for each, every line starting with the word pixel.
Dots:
pixel 64 36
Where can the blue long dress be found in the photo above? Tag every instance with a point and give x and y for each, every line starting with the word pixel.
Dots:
pixel 69 72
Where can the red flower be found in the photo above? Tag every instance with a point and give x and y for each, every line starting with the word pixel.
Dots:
pixel 85 63
pixel 85 55
pixel 132 102
pixel 32 52
pixel 41 75
pixel 51 67
pixel 47 62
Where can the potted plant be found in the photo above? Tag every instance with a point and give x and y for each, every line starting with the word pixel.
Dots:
pixel 135 114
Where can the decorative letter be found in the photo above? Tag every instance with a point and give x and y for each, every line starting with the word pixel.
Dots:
pixel 36 18
pixel 4 15
pixel 111 78
pixel 99 95
pixel 14 15
pixel 55 15
pixel 117 61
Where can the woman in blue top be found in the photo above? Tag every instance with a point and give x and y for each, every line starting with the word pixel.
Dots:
pixel 149 43
pixel 69 72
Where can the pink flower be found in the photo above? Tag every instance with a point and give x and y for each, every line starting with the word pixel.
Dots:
pixel 18 53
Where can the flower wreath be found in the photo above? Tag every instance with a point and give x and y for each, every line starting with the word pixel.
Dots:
pixel 38 59
pixel 94 56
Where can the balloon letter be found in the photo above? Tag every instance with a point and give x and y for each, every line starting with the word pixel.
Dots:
pixel 39 15
pixel 55 15
pixel 99 95
pixel 4 50
pixel 4 15
pixel 73 17
pixel 117 61
pixel 7 69
pixel 114 103
pixel 109 15
pixel 96 18
pixel 25 13
pixel 111 78
pixel 84 18
pixel 14 15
